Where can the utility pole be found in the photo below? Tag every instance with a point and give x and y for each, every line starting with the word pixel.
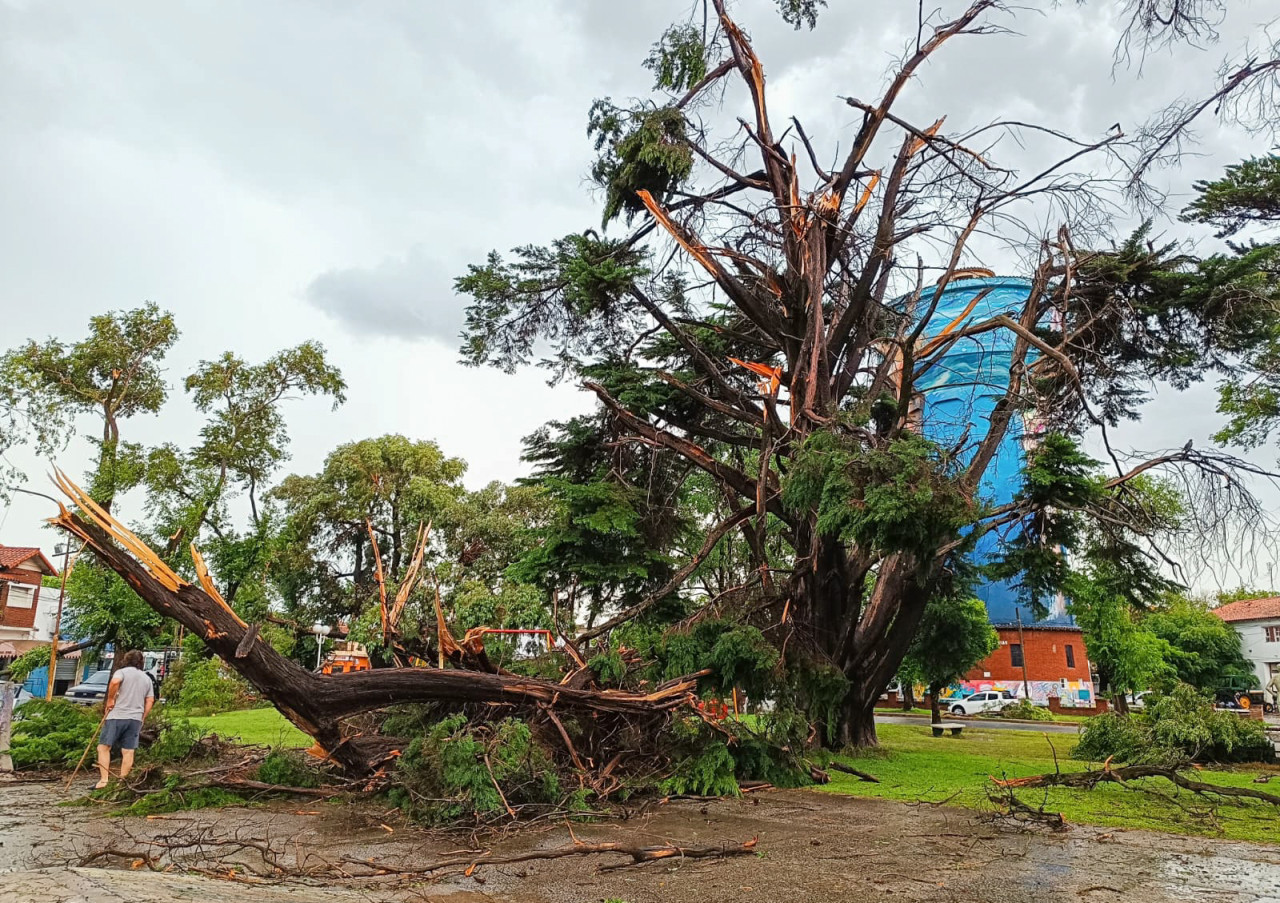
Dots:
pixel 1026 684
pixel 57 622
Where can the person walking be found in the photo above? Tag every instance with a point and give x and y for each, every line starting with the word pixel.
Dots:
pixel 130 696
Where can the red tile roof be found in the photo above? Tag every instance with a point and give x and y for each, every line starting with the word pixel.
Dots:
pixel 12 556
pixel 1249 609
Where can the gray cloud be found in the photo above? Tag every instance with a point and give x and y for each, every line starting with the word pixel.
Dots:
pixel 405 297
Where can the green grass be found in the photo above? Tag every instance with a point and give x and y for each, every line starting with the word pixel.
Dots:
pixel 255 727
pixel 913 765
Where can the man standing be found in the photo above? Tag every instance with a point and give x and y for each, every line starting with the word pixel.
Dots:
pixel 130 696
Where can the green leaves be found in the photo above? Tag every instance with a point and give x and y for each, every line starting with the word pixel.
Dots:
pixel 800 12
pixel 1248 193
pixel 897 498
pixel 678 60
pixel 645 149
pixel 954 635
pixel 573 295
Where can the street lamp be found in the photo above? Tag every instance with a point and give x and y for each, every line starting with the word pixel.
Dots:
pixel 65 551
pixel 321 631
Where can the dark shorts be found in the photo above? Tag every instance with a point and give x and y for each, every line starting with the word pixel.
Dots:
pixel 120 732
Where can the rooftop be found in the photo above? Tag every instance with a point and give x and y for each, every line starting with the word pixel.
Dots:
pixel 12 556
pixel 1249 609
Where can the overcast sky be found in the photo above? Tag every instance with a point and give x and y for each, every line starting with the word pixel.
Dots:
pixel 276 171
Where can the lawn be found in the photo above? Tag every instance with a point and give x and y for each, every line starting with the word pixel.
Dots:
pixel 912 765
pixel 255 727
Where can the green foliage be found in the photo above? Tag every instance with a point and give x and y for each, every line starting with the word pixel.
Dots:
pixel 101 605
pixel 1247 193
pixel 113 373
pixel 204 687
pixel 173 797
pixel 51 734
pixel 609 667
pixel 451 771
pixel 574 294
pixel 1026 710
pixel 737 655
pixel 287 768
pixel 177 741
pixel 898 498
pixel 21 667
pixel 679 60
pixel 710 772
pixel 1129 658
pixel 800 12
pixel 1180 726
pixel 1204 650
pixel 646 149
pixel 1057 478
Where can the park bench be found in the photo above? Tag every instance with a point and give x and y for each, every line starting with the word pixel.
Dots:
pixel 945 726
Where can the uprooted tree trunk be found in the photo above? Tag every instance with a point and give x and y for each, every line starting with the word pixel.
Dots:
pixel 318 703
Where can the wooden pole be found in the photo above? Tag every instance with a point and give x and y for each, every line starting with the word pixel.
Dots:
pixel 57 623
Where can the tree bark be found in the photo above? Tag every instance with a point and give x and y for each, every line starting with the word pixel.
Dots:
pixel 908 696
pixel 935 713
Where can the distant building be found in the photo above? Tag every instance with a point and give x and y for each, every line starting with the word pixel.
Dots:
pixel 1258 623
pixel 1055 658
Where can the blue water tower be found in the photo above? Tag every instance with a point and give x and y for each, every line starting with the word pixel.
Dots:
pixel 960 392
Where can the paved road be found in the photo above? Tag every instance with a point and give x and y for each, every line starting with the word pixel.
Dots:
pixel 1052 727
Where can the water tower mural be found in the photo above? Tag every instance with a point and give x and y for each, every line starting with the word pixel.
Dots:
pixel 960 392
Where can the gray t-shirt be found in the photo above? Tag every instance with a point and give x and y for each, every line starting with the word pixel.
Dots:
pixel 134 690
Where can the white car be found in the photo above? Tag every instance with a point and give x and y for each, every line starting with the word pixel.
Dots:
pixel 982 701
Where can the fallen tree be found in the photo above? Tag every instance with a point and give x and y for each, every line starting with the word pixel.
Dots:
pixel 316 703
pixel 1088 780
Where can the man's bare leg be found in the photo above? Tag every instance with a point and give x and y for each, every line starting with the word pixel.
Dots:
pixel 126 762
pixel 104 765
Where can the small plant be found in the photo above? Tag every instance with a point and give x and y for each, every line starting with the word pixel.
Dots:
pixel 1026 710
pixel 286 768
pixel 177 741
pixel 172 797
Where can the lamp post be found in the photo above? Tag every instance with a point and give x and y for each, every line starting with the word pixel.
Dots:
pixel 65 551
pixel 321 631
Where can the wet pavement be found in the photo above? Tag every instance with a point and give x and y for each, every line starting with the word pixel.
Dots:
pixel 811 846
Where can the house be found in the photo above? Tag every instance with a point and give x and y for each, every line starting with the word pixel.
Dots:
pixel 1054 658
pixel 1258 623
pixel 23 621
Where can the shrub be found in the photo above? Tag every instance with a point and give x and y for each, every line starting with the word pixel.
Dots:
pixel 203 688
pixel 456 768
pixel 1180 726
pixel 52 733
pixel 1111 735
pixel 177 741
pixel 287 769
pixel 1026 710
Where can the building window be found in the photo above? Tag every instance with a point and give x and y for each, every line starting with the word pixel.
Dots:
pixel 1015 654
pixel 1273 634
pixel 1071 656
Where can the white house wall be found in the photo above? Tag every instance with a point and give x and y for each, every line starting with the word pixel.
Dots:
pixel 1253 642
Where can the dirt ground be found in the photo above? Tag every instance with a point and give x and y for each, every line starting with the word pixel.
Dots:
pixel 810 847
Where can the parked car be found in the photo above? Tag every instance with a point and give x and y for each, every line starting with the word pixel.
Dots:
pixel 982 701
pixel 24 695
pixel 1137 701
pixel 93 690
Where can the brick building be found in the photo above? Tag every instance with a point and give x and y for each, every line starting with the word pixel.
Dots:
pixel 1055 659
pixel 21 570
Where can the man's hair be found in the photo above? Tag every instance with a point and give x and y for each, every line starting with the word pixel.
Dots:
pixel 132 659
